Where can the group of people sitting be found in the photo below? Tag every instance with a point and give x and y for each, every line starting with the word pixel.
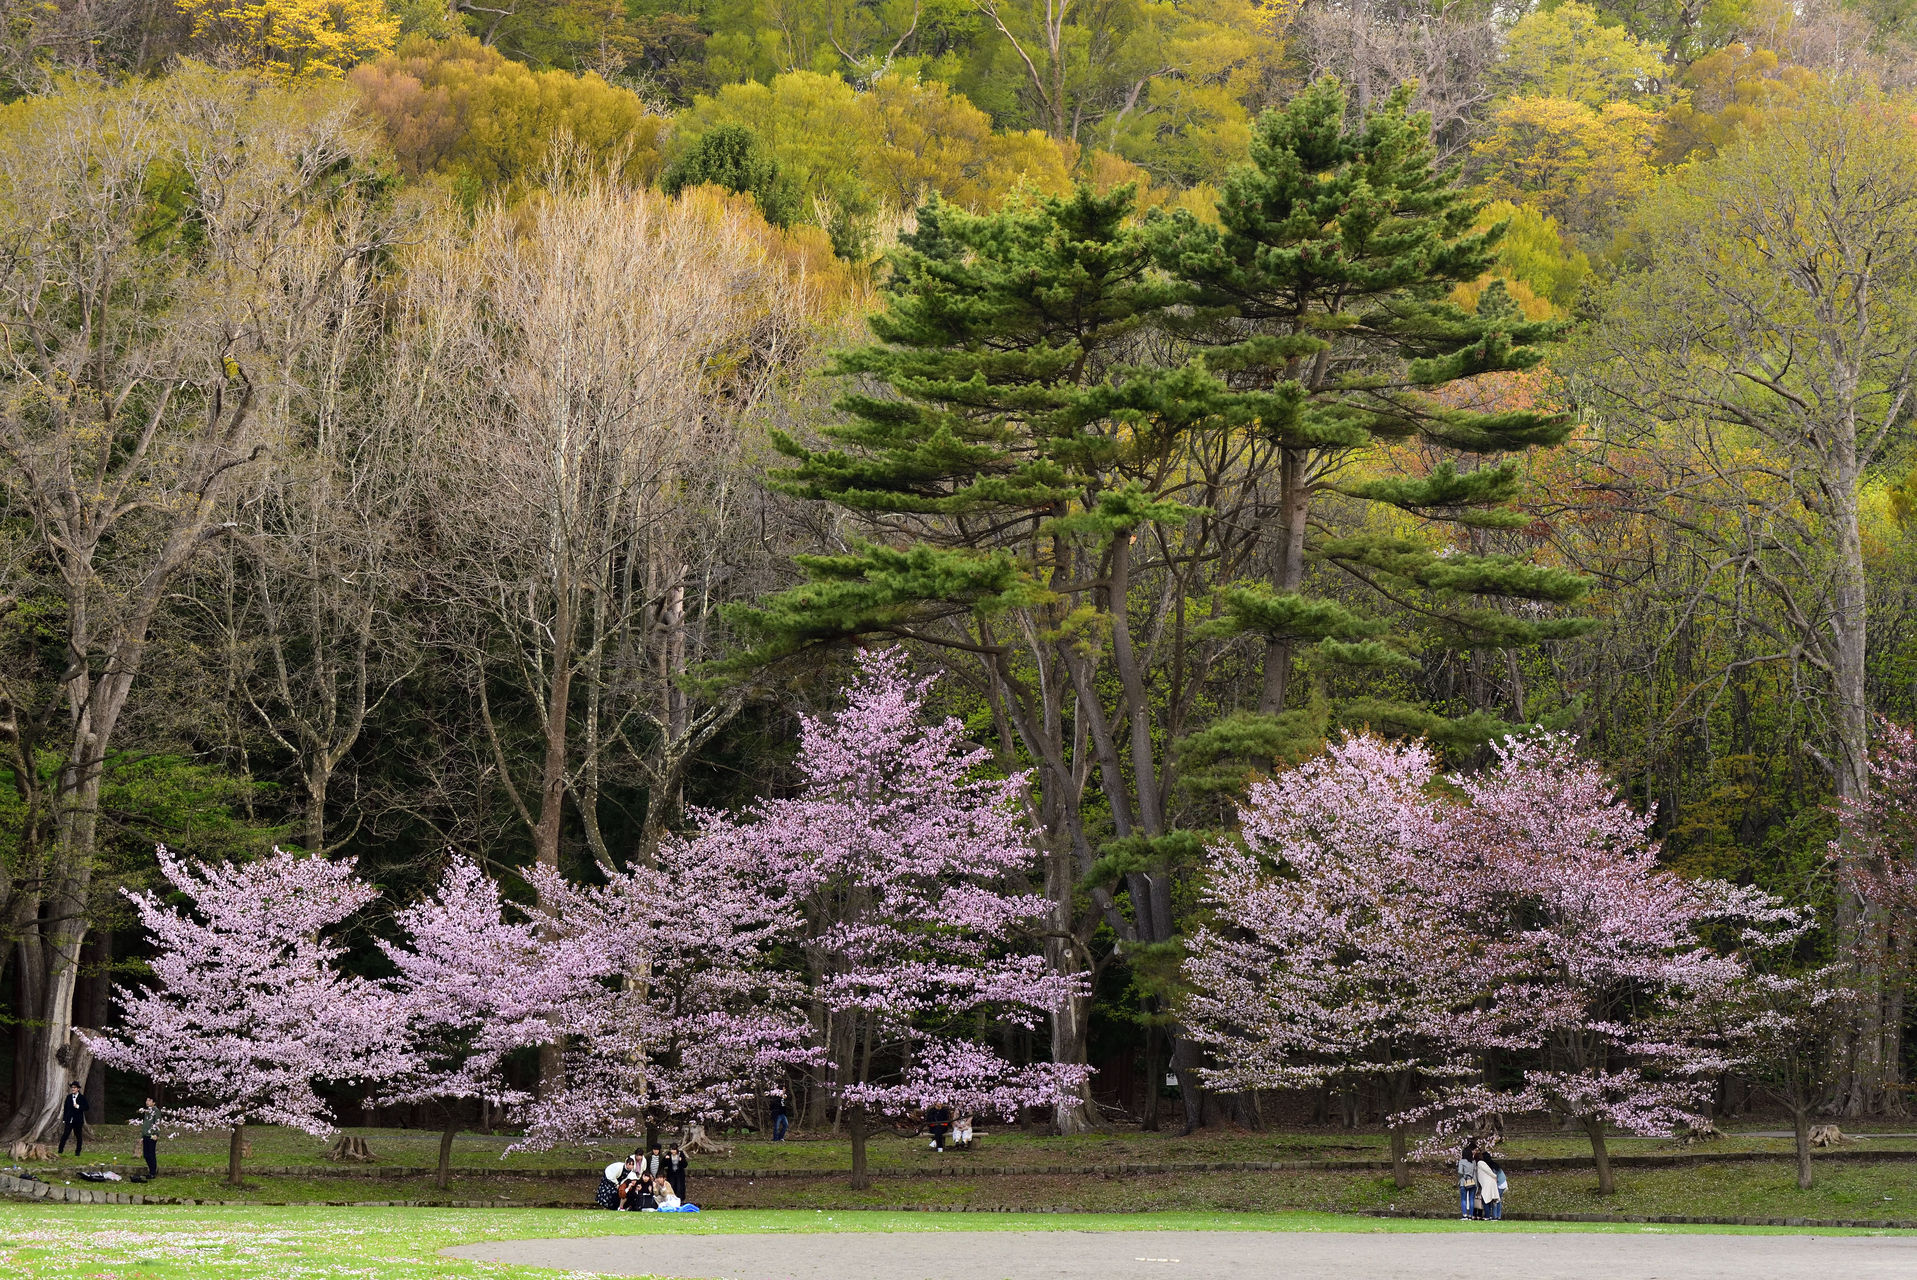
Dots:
pixel 1481 1181
pixel 939 1122
pixel 649 1181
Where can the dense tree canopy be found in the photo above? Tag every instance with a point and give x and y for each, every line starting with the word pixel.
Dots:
pixel 492 426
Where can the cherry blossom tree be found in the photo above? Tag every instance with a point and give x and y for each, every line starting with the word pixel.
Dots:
pixel 1350 937
pixel 1788 1029
pixel 472 987
pixel 1876 864
pixel 248 1008
pixel 903 859
pixel 1610 979
pixel 662 982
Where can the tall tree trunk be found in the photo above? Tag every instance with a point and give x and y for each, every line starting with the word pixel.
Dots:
pixel 235 1146
pixel 1601 1154
pixel 446 1136
pixel 1860 928
pixel 54 1051
pixel 1800 1130
pixel 1154 1070
pixel 1071 1020
pixel 552 790
pixel 1071 1037
pixel 27 976
pixel 1294 498
pixel 1400 1161
pixel 319 779
pixel 1184 1059
pixel 855 1127
pixel 97 965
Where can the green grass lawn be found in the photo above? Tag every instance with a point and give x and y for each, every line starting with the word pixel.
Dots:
pixel 76 1242
pixel 418 1148
pixel 194 1168
pixel 1848 1192
pixel 1767 1189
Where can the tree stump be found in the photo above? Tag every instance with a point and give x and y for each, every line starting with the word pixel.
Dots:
pixel 1826 1135
pixel 697 1143
pixel 24 1150
pixel 1704 1132
pixel 350 1149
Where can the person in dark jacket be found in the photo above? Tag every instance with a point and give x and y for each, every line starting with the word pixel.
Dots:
pixel 149 1120
pixel 675 1171
pixel 938 1119
pixel 781 1119
pixel 73 1118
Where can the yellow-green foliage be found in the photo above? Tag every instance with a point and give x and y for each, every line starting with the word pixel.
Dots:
pixel 1569 51
pixel 1734 90
pixel 896 143
pixel 1533 253
pixel 1192 126
pixel 292 37
pixel 459 109
pixel 1576 163
pixel 1102 171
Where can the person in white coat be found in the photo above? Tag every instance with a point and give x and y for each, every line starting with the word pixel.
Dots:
pixel 1490 1192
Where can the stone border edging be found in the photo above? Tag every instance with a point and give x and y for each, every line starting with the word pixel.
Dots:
pixel 92 1193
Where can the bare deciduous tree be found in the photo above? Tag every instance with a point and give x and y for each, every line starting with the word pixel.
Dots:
pixel 140 232
pixel 309 603
pixel 1774 323
pixel 594 353
pixel 1449 50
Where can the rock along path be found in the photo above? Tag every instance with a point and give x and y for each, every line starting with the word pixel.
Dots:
pixel 1217 1255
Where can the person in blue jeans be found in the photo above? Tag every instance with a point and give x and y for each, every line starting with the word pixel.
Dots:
pixel 1468 1180
pixel 780 1119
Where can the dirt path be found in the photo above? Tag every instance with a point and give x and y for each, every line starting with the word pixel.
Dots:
pixel 1220 1255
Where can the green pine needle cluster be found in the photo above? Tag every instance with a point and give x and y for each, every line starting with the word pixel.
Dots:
pixel 1043 374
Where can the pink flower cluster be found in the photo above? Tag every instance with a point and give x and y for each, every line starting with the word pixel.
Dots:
pixel 248 1010
pixel 471 986
pixel 1378 918
pixel 897 866
pixel 868 932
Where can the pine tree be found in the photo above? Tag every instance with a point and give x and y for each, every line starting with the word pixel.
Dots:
pixel 1061 456
pixel 1321 302
pixel 1017 455
pixel 997 334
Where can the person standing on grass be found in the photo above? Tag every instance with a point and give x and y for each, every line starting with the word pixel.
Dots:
pixel 149 1122
pixel 781 1118
pixel 1490 1192
pixel 676 1171
pixel 1468 1179
pixel 73 1119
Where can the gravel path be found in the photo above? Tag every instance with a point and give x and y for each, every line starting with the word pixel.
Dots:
pixel 1219 1255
